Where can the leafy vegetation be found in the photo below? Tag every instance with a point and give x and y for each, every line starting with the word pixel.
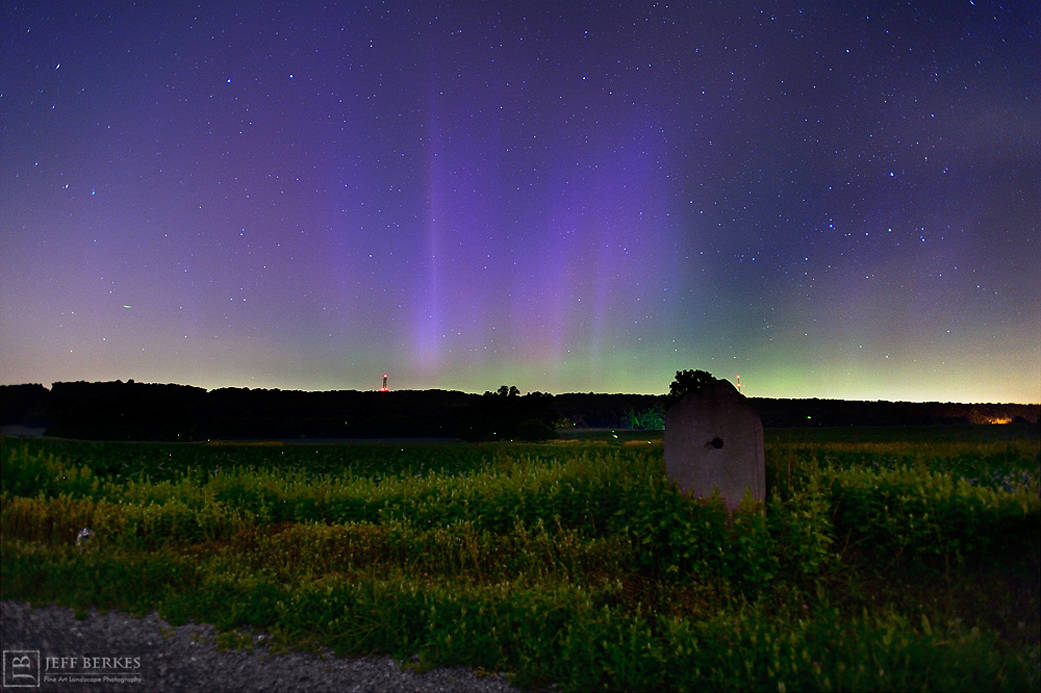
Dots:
pixel 888 558
pixel 646 420
pixel 688 382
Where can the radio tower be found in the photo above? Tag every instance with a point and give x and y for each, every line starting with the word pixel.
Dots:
pixel 384 388
pixel 738 383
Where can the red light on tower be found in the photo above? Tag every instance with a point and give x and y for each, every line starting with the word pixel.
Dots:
pixel 384 388
pixel 738 383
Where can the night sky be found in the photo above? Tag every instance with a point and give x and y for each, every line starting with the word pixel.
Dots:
pixel 831 199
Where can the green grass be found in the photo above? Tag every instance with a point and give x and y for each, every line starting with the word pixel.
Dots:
pixel 883 558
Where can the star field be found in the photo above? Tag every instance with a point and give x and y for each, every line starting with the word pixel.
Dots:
pixel 830 199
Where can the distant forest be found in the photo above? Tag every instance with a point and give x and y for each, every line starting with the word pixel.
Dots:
pixel 137 411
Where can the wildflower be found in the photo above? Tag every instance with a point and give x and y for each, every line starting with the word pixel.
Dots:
pixel 83 539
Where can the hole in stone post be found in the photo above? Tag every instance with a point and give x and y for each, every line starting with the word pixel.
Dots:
pixel 716 443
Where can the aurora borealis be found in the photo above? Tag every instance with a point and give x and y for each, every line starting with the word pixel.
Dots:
pixel 836 200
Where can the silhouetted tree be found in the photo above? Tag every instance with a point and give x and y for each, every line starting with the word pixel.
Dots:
pixel 506 391
pixel 506 415
pixel 687 382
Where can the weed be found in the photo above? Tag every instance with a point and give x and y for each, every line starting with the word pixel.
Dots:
pixel 877 563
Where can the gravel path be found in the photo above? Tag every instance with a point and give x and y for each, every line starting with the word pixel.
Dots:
pixel 148 654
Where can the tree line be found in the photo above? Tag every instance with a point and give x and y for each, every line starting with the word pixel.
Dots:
pixel 139 411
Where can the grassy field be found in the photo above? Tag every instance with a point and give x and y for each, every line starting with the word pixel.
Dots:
pixel 882 559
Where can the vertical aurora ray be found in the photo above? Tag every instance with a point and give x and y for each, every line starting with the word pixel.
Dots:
pixel 427 295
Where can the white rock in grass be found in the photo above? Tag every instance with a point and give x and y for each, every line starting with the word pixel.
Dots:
pixel 84 538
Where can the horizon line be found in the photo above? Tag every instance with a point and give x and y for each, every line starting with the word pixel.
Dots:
pixel 466 392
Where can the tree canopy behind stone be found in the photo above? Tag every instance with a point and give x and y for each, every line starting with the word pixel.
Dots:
pixel 688 381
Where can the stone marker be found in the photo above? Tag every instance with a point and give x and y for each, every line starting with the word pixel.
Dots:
pixel 714 439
